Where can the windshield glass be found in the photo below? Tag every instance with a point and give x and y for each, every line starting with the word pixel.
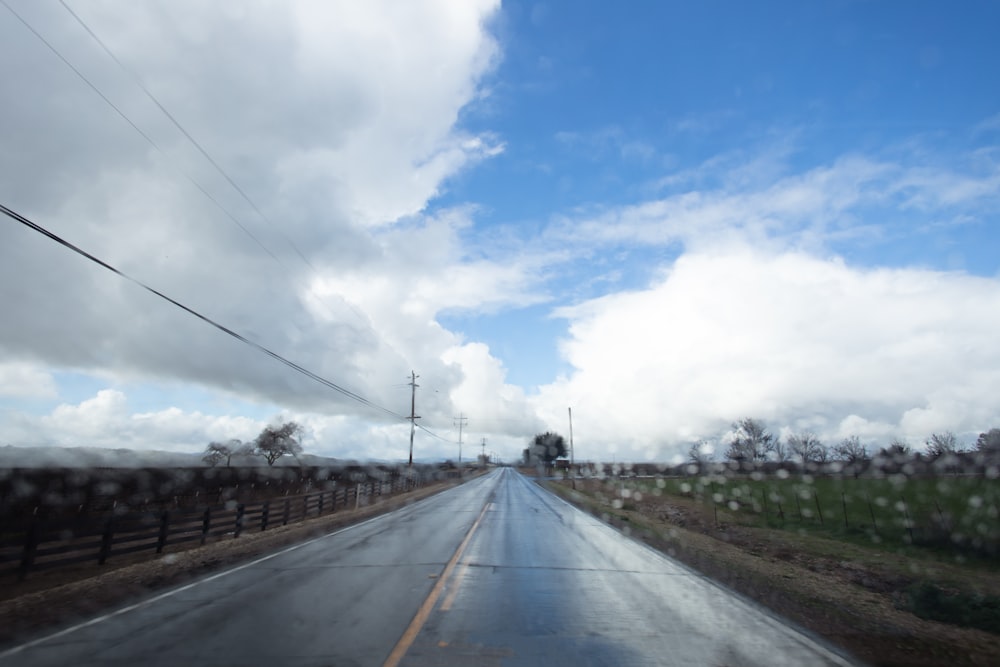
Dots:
pixel 500 287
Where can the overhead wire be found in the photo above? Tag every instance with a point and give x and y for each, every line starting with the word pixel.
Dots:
pixel 135 127
pixel 194 142
pixel 14 215
pixel 136 79
pixel 138 82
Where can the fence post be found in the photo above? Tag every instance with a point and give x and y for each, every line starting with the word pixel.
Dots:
pixel 206 524
pixel 763 495
pixel 239 520
pixel 944 523
pixel 798 505
pixel 357 496
pixel 106 537
pixel 843 503
pixel 818 510
pixel 319 506
pixel 305 506
pixel 30 546
pixel 288 504
pixel 264 513
pixel 872 513
pixel 162 539
pixel 906 517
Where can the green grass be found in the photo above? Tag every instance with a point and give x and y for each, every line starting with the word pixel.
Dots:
pixel 954 514
pixel 969 610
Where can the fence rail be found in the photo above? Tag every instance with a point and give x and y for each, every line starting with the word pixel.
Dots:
pixel 39 544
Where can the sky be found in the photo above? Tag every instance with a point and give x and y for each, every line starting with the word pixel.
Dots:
pixel 662 216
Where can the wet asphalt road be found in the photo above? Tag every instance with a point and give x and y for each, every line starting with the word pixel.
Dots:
pixel 493 572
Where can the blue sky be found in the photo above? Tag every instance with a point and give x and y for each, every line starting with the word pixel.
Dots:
pixel 596 105
pixel 667 215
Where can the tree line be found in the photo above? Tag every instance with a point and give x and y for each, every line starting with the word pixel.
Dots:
pixel 752 442
pixel 272 443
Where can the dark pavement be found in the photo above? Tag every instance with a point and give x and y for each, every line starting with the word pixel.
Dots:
pixel 494 572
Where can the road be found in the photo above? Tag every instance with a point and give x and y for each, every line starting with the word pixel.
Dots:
pixel 496 571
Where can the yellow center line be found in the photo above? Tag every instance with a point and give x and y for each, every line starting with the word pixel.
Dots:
pixel 449 599
pixel 417 624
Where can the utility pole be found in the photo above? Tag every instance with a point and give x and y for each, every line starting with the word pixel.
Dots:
pixel 460 420
pixel 413 410
pixel 483 458
pixel 571 463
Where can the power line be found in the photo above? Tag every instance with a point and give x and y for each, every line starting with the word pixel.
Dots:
pixel 182 130
pixel 413 409
pixel 260 348
pixel 432 433
pixel 198 186
pixel 460 422
pixel 135 127
pixel 190 138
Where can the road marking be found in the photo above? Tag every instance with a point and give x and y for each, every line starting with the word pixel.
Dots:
pixel 453 589
pixel 162 596
pixel 417 624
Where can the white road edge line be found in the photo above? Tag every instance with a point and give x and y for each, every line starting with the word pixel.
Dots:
pixel 769 617
pixel 162 596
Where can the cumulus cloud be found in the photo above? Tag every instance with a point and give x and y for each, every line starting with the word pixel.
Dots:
pixel 798 340
pixel 338 120
pixel 107 420
pixel 341 124
pixel 23 380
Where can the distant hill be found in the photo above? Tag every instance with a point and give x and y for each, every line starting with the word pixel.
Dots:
pixel 98 457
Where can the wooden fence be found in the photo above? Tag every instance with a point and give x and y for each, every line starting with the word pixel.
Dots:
pixel 38 544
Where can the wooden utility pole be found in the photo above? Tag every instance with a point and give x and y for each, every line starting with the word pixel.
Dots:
pixel 460 420
pixel 483 458
pixel 572 474
pixel 413 410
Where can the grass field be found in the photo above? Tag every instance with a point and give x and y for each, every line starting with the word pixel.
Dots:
pixel 890 599
pixel 957 514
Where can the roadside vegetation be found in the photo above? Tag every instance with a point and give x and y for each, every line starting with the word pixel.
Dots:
pixel 894 555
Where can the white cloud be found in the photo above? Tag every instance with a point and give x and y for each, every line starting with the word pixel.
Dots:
pixel 106 420
pixel 733 198
pixel 341 121
pixel 795 339
pixel 24 380
pixel 338 119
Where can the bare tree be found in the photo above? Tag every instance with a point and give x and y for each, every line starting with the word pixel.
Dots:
pixel 805 447
pixel 781 451
pixel 751 442
pixel 217 452
pixel 852 450
pixel 940 444
pixel 700 453
pixel 277 441
pixel 897 449
pixel 989 441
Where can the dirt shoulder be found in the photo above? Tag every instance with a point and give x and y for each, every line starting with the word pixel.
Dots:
pixel 49 600
pixel 841 592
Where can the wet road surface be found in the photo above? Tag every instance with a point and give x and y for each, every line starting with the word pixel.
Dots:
pixel 494 572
